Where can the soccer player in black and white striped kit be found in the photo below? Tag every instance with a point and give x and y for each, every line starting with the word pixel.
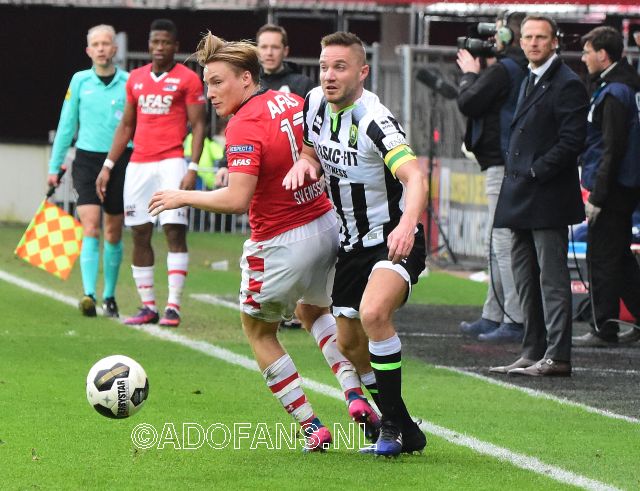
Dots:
pixel 379 193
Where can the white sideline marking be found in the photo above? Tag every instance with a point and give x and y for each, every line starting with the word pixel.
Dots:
pixel 427 335
pixel 542 395
pixel 519 460
pixel 213 300
pixel 606 371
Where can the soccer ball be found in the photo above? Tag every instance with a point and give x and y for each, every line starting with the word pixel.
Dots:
pixel 117 386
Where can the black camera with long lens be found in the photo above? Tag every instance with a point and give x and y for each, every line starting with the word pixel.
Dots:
pixel 480 47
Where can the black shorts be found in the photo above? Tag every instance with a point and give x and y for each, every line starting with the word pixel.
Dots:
pixel 85 170
pixel 354 268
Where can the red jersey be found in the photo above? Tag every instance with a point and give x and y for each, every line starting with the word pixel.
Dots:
pixel 264 139
pixel 161 110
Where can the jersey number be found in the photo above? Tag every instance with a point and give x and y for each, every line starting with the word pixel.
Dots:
pixel 287 128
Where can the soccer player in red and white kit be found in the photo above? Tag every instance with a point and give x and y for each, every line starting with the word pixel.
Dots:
pixel 161 97
pixel 290 256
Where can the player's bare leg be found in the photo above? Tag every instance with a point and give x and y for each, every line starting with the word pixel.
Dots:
pixel 283 380
pixel 385 292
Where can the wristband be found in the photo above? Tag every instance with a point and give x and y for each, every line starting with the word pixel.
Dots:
pixel 193 166
pixel 108 163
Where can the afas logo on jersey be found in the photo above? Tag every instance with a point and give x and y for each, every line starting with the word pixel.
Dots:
pixel 240 162
pixel 155 103
pixel 239 148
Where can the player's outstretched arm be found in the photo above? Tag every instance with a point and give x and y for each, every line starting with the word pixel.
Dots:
pixel 235 198
pixel 400 240
pixel 121 138
pixel 306 169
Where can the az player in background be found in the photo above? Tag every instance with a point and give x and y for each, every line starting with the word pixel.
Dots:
pixel 161 97
pixel 291 253
pixel 379 193
pixel 93 108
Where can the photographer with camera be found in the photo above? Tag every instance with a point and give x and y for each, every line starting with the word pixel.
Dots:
pixel 488 99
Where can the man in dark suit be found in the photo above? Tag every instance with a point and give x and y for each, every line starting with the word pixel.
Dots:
pixel 540 197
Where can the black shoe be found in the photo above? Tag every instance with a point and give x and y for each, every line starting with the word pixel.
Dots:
pixel 110 307
pixel 413 440
pixel 293 323
pixel 508 332
pixel 87 306
pixel 592 340
pixel 389 443
pixel 630 336
pixel 481 326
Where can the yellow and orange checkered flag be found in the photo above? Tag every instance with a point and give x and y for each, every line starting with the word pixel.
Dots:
pixel 52 240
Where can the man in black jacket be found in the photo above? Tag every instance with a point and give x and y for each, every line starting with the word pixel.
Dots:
pixel 277 74
pixel 488 99
pixel 611 171
pixel 540 197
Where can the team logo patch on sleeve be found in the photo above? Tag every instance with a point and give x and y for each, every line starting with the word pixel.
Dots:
pixel 239 148
pixel 353 135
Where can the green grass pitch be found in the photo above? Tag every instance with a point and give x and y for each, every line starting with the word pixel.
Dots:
pixel 50 438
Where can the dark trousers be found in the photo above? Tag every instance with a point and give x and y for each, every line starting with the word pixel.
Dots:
pixel 541 274
pixel 613 269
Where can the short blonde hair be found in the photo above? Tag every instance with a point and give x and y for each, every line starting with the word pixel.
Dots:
pixel 241 55
pixel 99 28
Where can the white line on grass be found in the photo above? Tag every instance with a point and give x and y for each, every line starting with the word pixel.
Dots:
pixel 214 300
pixel 542 395
pixel 427 335
pixel 519 460
pixel 605 371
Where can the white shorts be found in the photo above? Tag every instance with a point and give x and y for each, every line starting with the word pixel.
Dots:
pixel 295 266
pixel 144 179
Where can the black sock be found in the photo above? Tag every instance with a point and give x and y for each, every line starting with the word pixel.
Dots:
pixel 373 392
pixel 388 370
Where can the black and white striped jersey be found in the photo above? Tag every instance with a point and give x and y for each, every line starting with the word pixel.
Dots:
pixel 360 147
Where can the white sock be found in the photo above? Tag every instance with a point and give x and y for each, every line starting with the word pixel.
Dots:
pixel 177 264
pixel 143 277
pixel 324 332
pixel 284 382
